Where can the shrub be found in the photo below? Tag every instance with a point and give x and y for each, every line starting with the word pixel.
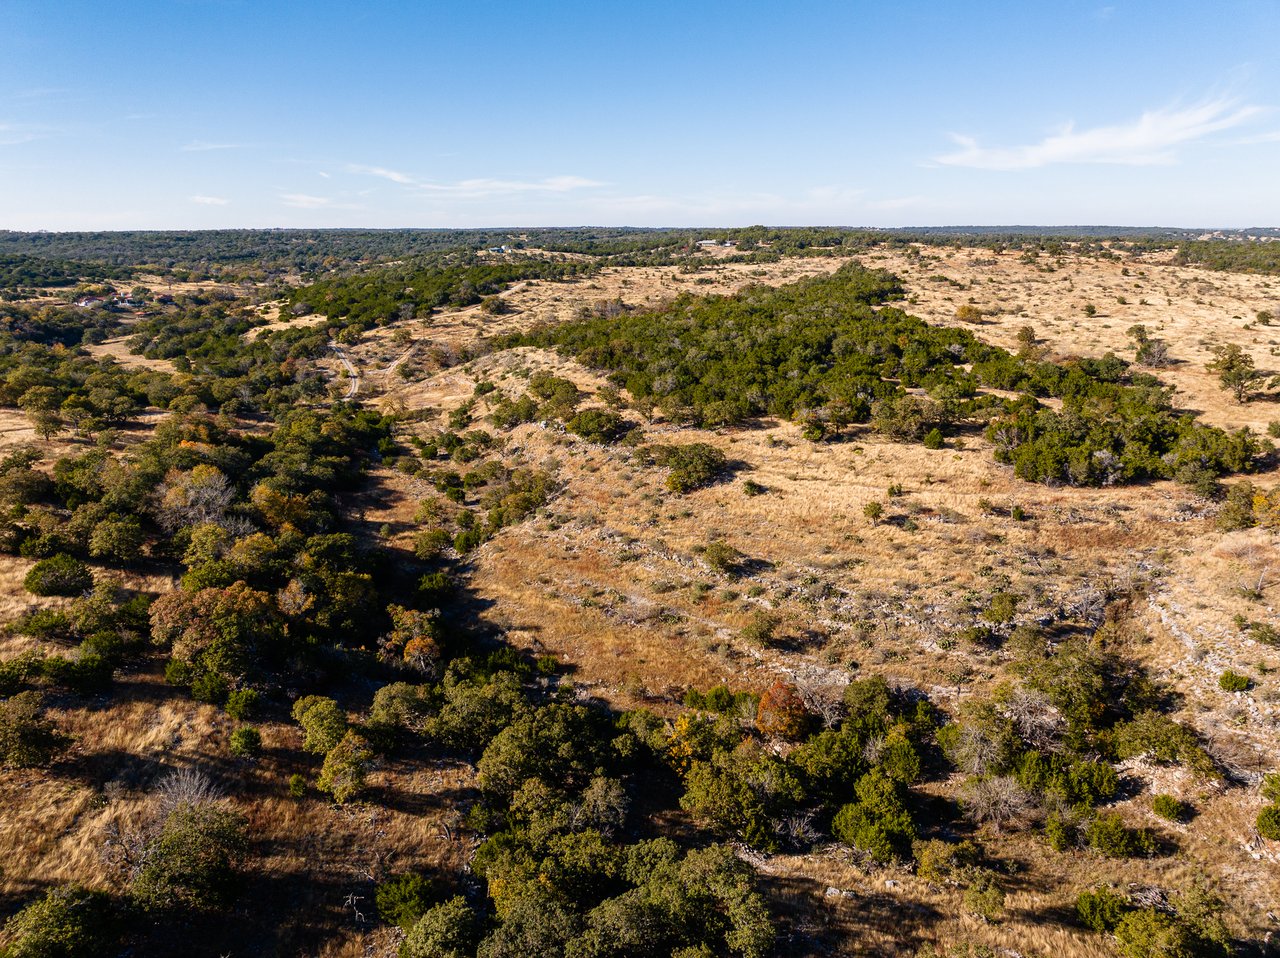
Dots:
pixel 1101 909
pixel 1151 934
pixel 907 418
pixel 1170 808
pixel 297 786
pixel 752 488
pixel 246 742
pixel 58 575
pixel 878 823
pixel 1003 607
pixel 939 861
pixel 403 899
pixel 1264 632
pixel 997 799
pixel 449 930
pixel 1109 835
pixel 743 793
pixel 397 707
pixel 720 698
pixel 761 629
pixel 118 538
pixel 87 673
pixel 874 511
pixel 933 439
pixel 722 557
pixel 242 704
pixel 1230 681
pixel 1271 787
pixel 984 897
pixel 193 861
pixel 1268 823
pixel 323 722
pixel 27 738
pixel 782 712
pixel 598 425
pixel 68 922
pixel 48 624
pixel 17 670
pixel 691 466
pixel 430 543
pixel 209 687
pixel 345 768
pixel 1237 511
pixel 1164 740
pixel 1061 833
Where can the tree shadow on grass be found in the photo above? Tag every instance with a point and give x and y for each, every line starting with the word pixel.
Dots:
pixel 815 920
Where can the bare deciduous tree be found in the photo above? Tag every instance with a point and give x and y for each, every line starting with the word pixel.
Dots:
pixel 999 800
pixel 1034 717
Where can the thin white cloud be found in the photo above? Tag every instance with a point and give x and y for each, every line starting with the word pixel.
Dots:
pixel 381 171
pixel 898 203
pixel 204 146
pixel 12 134
pixel 833 196
pixel 492 187
pixel 478 187
pixel 304 201
pixel 1149 140
pixel 209 200
pixel 35 93
pixel 824 204
pixel 1272 137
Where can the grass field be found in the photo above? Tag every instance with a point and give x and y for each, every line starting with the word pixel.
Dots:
pixel 610 578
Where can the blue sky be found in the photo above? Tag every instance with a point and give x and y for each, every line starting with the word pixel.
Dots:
pixel 213 113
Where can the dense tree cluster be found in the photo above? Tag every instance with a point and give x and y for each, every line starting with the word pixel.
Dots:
pixel 19 271
pixel 1231 255
pixel 376 297
pixel 821 353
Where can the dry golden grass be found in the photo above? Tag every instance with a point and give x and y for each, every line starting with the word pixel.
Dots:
pixel 271 311
pixel 609 579
pixel 1189 308
pixel 117 349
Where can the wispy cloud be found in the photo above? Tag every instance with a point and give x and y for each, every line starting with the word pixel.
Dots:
pixel 1149 140
pixel 842 196
pixel 35 93
pixel 12 134
pixel 479 187
pixel 209 200
pixel 204 146
pixel 381 171
pixel 1272 137
pixel 898 203
pixel 304 201
pixel 826 203
pixel 492 187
